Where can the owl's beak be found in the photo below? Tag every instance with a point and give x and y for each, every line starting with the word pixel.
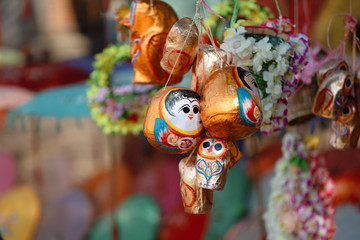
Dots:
pixel 211 148
pixel 191 116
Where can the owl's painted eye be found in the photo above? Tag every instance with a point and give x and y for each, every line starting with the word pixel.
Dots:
pixel 196 109
pixel 206 144
pixel 346 110
pixel 343 68
pixel 218 146
pixel 186 109
pixel 348 83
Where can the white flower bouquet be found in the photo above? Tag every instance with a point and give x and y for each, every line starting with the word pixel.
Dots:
pixel 275 56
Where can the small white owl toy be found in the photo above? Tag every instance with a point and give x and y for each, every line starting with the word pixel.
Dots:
pixel 212 163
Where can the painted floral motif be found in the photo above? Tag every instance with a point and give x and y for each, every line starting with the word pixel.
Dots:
pixel 300 202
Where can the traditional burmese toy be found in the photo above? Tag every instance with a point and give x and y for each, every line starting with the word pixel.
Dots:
pixel 230 105
pixel 346 128
pixel 329 67
pixel 172 122
pixel 208 61
pixel 20 211
pixel 149 26
pixel 212 163
pixel 196 200
pixel 331 94
pixel 300 104
pixel 181 47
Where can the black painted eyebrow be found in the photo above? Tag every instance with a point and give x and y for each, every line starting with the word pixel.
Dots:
pixel 242 73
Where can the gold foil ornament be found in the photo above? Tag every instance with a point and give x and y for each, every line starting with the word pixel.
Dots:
pixel 329 67
pixel 181 47
pixel 149 27
pixel 212 163
pixel 346 128
pixel 196 200
pixel 209 60
pixel 172 122
pixel 331 93
pixel 230 104
pixel 235 154
pixel 300 105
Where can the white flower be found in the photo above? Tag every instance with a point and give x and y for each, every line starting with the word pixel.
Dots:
pixel 262 49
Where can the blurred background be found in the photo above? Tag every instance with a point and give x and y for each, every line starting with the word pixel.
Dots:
pixel 55 162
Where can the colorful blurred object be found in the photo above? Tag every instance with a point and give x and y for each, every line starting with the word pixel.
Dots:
pixel 67 101
pixel 67 218
pixel 230 204
pixel 41 76
pixel 19 213
pixel 98 188
pixel 137 218
pixel 178 225
pixel 7 172
pixel 12 96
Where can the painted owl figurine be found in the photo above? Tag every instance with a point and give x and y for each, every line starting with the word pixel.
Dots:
pixel 181 47
pixel 149 27
pixel 332 92
pixel 212 163
pixel 172 122
pixel 231 104
pixel 345 130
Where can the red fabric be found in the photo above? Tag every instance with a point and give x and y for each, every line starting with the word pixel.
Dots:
pixel 41 76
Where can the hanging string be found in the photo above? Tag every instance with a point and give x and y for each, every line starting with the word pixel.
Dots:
pixel 329 25
pixel 208 32
pixel 278 8
pixel 151 4
pixel 207 6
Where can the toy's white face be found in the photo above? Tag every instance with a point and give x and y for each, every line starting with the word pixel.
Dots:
pixel 185 114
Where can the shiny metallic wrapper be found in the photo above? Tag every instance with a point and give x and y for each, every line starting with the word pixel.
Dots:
pixel 163 132
pixel 329 67
pixel 209 60
pixel 331 94
pixel 181 47
pixel 149 27
pixel 195 200
pixel 230 104
pixel 235 154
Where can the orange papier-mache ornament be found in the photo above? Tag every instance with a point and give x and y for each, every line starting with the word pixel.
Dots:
pixel 172 122
pixel 196 200
pixel 149 26
pixel 181 47
pixel 209 60
pixel 230 104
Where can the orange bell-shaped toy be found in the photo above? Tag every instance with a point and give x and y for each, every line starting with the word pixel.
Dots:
pixel 149 27
pixel 172 122
pixel 230 104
